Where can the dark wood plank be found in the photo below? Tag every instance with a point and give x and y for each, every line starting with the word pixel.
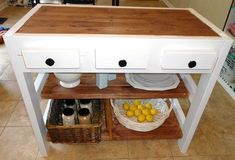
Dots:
pixel 118 21
pixel 170 129
pixel 118 88
pixel 108 117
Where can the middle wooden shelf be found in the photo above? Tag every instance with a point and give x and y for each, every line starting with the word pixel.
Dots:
pixel 117 88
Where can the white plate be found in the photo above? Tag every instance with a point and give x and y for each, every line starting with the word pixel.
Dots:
pixel 157 82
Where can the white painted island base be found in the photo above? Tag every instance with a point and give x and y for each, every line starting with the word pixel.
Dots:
pixel 99 53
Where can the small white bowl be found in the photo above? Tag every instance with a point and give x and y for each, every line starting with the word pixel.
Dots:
pixel 68 80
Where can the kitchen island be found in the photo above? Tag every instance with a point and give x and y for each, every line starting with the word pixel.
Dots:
pixel 95 39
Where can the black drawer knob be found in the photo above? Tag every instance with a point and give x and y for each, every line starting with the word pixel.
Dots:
pixel 50 62
pixel 192 64
pixel 122 63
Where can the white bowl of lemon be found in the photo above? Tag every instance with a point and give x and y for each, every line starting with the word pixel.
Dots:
pixel 141 114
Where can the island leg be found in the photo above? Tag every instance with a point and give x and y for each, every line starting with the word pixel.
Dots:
pixel 32 104
pixel 200 99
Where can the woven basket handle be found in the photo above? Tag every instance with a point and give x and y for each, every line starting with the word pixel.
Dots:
pixel 168 101
pixel 112 104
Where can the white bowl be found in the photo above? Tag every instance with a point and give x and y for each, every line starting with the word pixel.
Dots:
pixel 68 80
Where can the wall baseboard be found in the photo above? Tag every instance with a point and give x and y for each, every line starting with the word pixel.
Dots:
pixel 168 4
pixel 3 5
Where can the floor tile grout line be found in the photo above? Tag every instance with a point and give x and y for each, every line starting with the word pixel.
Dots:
pixel 18 127
pixel 37 156
pixel 4 69
pixel 152 157
pixel 9 80
pixel 2 131
pixel 210 145
pixel 169 146
pixel 191 156
pixel 17 102
pixel 12 100
pixel 128 151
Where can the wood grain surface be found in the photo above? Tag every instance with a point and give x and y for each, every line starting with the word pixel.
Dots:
pixel 170 129
pixel 115 21
pixel 118 88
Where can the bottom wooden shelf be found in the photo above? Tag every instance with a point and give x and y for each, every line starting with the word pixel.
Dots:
pixel 169 130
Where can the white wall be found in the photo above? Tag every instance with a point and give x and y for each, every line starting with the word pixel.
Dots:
pixel 180 3
pixel 214 10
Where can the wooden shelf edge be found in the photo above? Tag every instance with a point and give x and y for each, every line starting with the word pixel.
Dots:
pixel 118 88
pixel 169 130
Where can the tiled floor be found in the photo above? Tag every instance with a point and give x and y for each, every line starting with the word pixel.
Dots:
pixel 214 138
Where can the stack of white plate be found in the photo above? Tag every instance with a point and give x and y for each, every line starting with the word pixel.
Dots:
pixel 148 81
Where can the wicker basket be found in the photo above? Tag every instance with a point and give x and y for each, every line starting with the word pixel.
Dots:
pixel 85 133
pixel 131 123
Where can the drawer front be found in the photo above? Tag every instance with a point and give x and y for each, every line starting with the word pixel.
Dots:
pixel 183 59
pixel 52 58
pixel 121 59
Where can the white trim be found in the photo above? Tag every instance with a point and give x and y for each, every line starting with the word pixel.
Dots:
pixel 178 112
pixel 230 35
pixel 46 111
pixel 168 4
pixel 190 85
pixel 120 35
pixel 3 5
pixel 103 6
pixel 40 81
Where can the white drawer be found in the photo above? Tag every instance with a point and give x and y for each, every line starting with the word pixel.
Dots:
pixel 188 59
pixel 51 58
pixel 125 59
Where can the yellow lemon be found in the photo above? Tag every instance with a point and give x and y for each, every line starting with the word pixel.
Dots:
pixel 145 112
pixel 137 112
pixel 153 111
pixel 130 113
pixel 148 105
pixel 149 118
pixel 141 118
pixel 141 107
pixel 126 106
pixel 132 107
pixel 137 102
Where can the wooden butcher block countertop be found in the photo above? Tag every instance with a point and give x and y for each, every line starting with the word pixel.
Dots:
pixel 115 21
